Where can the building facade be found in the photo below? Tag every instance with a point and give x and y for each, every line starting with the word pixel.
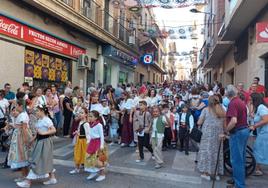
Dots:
pixel 236 50
pixel 52 41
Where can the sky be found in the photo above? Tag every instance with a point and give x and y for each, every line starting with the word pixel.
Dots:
pixel 173 18
pixel 181 17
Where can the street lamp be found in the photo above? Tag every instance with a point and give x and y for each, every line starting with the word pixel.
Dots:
pixel 194 10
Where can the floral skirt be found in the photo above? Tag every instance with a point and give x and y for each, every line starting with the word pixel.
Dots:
pixel 19 151
pixel 97 161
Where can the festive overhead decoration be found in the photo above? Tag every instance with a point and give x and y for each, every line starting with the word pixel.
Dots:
pixel 158 3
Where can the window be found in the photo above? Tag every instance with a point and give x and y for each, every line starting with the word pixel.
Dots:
pixel 145 22
pixel 68 2
pixel 241 48
pixel 89 9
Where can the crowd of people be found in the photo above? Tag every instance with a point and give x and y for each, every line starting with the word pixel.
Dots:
pixel 158 117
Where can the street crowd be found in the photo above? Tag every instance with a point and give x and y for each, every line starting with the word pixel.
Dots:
pixel 160 117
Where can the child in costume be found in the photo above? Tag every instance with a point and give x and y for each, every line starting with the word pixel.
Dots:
pixel 96 156
pixel 82 139
pixel 186 124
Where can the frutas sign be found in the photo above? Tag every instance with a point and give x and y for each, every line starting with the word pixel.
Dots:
pixel 25 33
pixel 262 32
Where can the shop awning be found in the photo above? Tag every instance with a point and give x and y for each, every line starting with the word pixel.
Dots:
pixel 220 49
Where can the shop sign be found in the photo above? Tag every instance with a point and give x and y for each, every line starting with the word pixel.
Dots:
pixel 147 59
pixel 119 55
pixel 262 32
pixel 27 34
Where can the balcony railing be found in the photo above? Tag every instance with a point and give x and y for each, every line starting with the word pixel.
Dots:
pixel 102 18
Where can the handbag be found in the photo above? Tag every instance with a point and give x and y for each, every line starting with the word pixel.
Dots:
pixel 196 134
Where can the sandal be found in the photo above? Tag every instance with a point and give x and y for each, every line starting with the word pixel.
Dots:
pixel 258 173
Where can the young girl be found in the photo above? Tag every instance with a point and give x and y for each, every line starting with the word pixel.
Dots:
pixel 41 163
pixel 80 147
pixel 96 157
pixel 114 124
pixel 19 151
pixel 76 112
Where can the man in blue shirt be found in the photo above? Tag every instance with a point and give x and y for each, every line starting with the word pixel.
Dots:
pixel 9 95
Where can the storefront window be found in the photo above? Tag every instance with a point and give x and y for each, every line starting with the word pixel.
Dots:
pixel 44 69
pixel 123 77
pixel 107 74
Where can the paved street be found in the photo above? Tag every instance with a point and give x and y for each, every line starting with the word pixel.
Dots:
pixel 124 172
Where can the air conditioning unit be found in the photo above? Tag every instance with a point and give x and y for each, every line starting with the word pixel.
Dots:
pixel 84 61
pixel 131 40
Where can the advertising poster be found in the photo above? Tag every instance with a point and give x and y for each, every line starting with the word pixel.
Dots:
pixel 29 70
pixel 45 67
pixel 58 75
pixel 45 60
pixel 29 57
pixel 45 73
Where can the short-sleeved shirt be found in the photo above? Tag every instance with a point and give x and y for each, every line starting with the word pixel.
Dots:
pixel 3 105
pixel 238 109
pixel 22 118
pixel 10 95
pixel 44 124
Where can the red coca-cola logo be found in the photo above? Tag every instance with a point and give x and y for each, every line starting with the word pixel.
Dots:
pixel 77 52
pixel 9 28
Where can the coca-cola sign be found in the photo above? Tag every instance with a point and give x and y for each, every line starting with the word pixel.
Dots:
pixel 10 28
pixel 27 34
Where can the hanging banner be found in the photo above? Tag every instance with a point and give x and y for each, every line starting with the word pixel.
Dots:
pixel 27 34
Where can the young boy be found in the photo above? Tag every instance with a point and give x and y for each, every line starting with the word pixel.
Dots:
pixel 141 123
pixel 158 127
pixel 186 124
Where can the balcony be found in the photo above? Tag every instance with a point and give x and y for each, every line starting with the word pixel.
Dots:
pixel 240 16
pixel 91 19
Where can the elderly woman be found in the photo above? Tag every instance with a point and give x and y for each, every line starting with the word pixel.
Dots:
pixel 67 111
pixel 212 119
pixel 261 124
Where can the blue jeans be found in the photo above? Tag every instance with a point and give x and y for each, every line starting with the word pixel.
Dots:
pixel 238 144
pixel 57 119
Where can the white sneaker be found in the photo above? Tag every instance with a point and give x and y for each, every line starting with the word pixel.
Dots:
pixel 24 183
pixel 74 171
pixel 100 178
pixel 19 179
pixel 91 176
pixel 218 178
pixel 122 145
pixel 153 157
pixel 139 160
pixel 132 144
pixel 51 181
pixel 205 177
